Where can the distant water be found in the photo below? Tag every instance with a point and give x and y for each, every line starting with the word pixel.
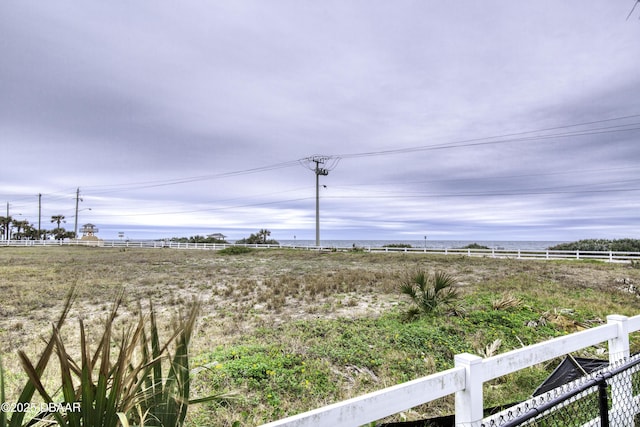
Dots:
pixel 430 244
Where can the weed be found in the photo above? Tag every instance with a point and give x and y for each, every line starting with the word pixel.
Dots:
pixel 506 301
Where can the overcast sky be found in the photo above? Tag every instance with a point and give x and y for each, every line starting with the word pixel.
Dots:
pixel 492 120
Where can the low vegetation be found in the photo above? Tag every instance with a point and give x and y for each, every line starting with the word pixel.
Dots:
pixel 198 239
pixel 619 245
pixel 261 238
pixel 430 293
pixel 475 246
pixel 293 330
pixel 397 245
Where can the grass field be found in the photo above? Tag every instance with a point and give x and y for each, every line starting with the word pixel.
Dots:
pixel 289 330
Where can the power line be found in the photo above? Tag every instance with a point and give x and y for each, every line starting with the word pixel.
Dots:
pixel 504 177
pixel 223 208
pixel 500 139
pixel 163 183
pixel 491 140
pixel 565 131
pixel 485 194
pixel 632 9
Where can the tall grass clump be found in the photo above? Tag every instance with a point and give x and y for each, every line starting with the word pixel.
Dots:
pixel 130 378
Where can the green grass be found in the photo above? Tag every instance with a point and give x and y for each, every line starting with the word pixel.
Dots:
pixel 315 362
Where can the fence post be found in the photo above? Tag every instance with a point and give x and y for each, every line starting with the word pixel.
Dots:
pixel 619 346
pixel 469 402
pixel 621 391
pixel 603 403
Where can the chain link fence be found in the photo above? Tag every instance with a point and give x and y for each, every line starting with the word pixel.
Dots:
pixel 608 397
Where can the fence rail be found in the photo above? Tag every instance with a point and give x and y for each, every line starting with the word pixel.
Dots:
pixel 609 256
pixel 467 378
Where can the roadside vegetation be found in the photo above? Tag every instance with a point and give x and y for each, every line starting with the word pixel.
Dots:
pixel 198 239
pixel 619 245
pixel 288 331
pixel 261 238
pixel 14 229
pixel 475 246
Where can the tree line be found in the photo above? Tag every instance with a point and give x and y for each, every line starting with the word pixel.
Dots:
pixel 13 229
pixel 261 237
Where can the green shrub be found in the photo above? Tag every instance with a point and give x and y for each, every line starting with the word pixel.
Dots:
pixel 620 245
pixel 235 250
pixel 430 293
pixel 475 246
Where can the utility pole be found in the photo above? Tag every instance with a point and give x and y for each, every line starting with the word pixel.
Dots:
pixel 7 232
pixel 75 228
pixel 39 216
pixel 324 172
pixel 313 163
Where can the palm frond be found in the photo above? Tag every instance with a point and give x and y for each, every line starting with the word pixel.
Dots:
pixel 409 290
pixel 442 280
pixel 428 293
pixel 30 387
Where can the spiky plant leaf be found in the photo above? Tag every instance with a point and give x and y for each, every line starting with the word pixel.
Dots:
pixel 29 389
pixel 3 414
pixel 408 289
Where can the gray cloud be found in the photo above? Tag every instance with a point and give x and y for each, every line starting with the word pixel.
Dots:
pixel 194 115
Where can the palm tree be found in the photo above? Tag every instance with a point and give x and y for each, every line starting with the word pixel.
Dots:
pixel 59 232
pixel 58 219
pixel 5 225
pixel 20 225
pixel 429 293
pixel 264 233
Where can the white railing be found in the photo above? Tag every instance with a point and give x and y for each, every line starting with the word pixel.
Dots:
pixel 466 380
pixel 610 256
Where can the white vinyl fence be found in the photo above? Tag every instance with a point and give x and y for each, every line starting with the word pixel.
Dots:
pixel 466 380
pixel 609 256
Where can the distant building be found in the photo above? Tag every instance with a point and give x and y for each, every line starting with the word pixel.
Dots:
pixel 89 232
pixel 217 236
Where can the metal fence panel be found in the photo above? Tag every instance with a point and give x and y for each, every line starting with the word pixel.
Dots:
pixel 609 397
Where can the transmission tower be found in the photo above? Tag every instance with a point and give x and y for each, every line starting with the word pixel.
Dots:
pixel 320 165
